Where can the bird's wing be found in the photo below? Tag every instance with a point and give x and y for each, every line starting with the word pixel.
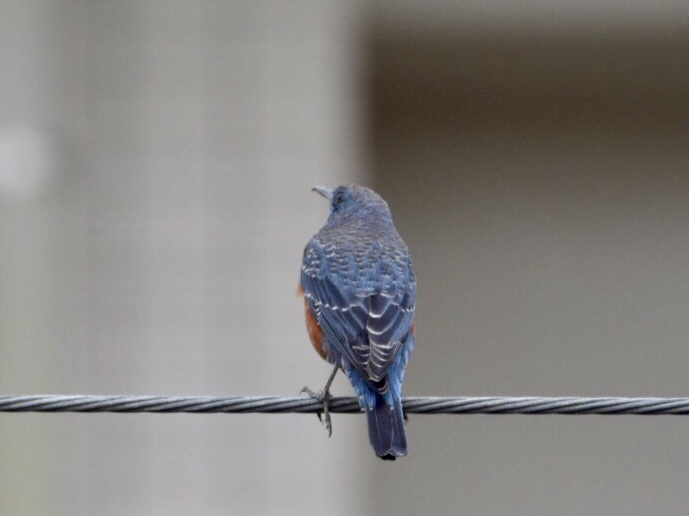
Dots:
pixel 389 323
pixel 368 329
pixel 341 315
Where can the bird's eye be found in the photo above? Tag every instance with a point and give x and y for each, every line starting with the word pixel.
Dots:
pixel 339 198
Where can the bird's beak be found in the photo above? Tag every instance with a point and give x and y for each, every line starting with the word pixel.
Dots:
pixel 324 191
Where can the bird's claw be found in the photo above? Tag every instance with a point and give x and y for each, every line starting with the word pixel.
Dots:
pixel 323 398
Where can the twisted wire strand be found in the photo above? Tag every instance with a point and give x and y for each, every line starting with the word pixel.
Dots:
pixel 345 405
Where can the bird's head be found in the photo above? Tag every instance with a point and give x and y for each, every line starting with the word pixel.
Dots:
pixel 354 201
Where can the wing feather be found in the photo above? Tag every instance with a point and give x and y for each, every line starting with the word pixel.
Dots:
pixel 368 329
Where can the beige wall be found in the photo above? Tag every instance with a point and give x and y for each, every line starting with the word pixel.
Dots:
pixel 164 255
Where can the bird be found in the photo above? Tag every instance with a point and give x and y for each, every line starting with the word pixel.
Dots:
pixel 359 293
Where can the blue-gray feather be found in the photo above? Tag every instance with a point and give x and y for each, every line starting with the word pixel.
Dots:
pixel 358 280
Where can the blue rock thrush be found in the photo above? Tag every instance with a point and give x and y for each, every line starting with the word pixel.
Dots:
pixel 359 294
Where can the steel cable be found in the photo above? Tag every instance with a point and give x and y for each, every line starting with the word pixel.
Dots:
pixel 305 404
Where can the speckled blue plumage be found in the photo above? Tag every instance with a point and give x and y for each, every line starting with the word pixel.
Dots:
pixel 359 283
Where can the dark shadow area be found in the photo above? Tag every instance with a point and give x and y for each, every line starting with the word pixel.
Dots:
pixel 542 184
pixel 421 82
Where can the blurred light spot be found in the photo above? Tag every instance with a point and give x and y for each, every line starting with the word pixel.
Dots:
pixel 29 161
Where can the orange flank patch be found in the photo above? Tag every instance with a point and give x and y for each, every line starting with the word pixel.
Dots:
pixel 312 327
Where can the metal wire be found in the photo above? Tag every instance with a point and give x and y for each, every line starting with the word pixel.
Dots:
pixel 304 404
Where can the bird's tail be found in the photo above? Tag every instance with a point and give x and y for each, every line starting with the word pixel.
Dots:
pixel 386 429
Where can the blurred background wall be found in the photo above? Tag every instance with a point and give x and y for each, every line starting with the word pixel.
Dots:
pixel 155 166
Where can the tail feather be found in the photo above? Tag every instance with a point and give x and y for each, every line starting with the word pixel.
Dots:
pixel 386 429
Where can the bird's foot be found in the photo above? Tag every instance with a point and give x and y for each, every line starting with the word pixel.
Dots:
pixel 323 397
